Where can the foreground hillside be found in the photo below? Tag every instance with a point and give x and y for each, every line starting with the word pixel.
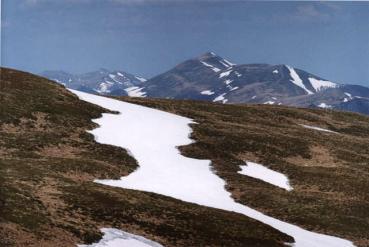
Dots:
pixel 329 171
pixel 48 163
pixel 47 167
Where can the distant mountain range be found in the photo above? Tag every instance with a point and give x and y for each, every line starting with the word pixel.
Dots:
pixel 210 77
pixel 102 81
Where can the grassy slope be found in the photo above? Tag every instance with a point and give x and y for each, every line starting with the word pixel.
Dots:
pixel 48 163
pixel 329 172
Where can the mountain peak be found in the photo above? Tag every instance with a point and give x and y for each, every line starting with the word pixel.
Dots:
pixel 207 55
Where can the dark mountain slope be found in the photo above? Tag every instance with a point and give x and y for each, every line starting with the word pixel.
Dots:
pixel 328 171
pixel 48 163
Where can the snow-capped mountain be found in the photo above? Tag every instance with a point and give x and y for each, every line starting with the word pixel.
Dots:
pixel 212 78
pixel 102 81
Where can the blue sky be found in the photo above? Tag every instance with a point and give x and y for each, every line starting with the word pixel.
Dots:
pixel 147 37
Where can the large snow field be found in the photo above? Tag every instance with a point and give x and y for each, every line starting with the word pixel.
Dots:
pixel 152 137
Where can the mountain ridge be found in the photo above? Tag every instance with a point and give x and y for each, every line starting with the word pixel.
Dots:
pixel 102 81
pixel 210 77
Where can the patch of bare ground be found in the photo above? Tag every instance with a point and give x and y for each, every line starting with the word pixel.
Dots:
pixel 320 156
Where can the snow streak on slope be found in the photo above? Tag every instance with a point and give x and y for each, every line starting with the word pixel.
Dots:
pixel 321 84
pixel 116 238
pixel 221 98
pixel 215 69
pixel 223 74
pixel 152 136
pixel 261 172
pixel 135 91
pixel 297 80
pixel 207 92
pixel 324 105
pixel 317 128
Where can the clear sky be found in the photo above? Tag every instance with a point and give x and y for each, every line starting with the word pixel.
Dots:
pixel 148 37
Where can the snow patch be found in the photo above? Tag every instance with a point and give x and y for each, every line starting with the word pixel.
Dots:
pixel 297 80
pixel 153 136
pixel 117 238
pixel 237 74
pixel 227 82
pixel 321 84
pixel 232 88
pixel 275 71
pixel 228 62
pixel 104 87
pixel 317 128
pixel 261 172
pixel 207 92
pixel 120 74
pixel 224 64
pixel 269 102
pixel 141 79
pixel 221 98
pixel 58 81
pixel 349 95
pixel 135 91
pixel 253 97
pixel 215 69
pixel 324 105
pixel 223 74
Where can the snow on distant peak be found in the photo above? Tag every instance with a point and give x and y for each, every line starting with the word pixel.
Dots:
pixel 135 92
pixel 221 98
pixel 120 74
pixel 227 82
pixel 207 92
pixel 228 62
pixel 265 174
pixel 225 64
pixel 223 74
pixel 321 84
pixel 114 238
pixel 297 80
pixel 275 71
pixel 141 79
pixel 324 105
pixel 348 94
pixel 269 102
pixel 212 53
pixel 232 88
pixel 349 97
pixel 215 69
pixel 104 87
